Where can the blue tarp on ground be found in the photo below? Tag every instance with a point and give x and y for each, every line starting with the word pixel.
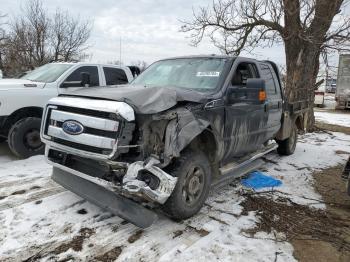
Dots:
pixel 258 180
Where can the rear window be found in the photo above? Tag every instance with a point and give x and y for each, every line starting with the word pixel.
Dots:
pixel 266 74
pixel 115 76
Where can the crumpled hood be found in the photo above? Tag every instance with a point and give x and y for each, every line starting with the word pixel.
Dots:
pixel 144 100
pixel 12 83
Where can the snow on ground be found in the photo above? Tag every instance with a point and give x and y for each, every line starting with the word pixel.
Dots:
pixel 39 217
pixel 340 119
pixel 329 101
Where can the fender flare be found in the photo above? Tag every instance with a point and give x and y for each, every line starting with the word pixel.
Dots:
pixel 181 131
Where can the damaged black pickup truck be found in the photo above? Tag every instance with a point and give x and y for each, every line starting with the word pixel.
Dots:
pixel 184 126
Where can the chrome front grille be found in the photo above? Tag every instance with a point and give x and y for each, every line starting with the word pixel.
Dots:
pixel 100 124
pixel 86 121
pixel 99 135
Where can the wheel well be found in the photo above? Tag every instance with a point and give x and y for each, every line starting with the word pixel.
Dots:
pixel 20 114
pixel 206 142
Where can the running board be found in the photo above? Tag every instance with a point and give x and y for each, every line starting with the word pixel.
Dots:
pixel 104 198
pixel 236 170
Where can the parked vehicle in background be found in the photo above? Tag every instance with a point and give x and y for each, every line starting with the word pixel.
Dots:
pixel 332 88
pixel 342 94
pixel 181 127
pixel 319 98
pixel 22 100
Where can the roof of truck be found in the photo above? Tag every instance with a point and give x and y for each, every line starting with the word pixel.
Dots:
pixel 89 64
pixel 213 56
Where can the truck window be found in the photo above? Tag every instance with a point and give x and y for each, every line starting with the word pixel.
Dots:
pixel 92 70
pixel 115 76
pixel 243 72
pixel 266 74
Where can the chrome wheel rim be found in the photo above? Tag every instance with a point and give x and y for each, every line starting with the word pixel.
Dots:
pixel 193 185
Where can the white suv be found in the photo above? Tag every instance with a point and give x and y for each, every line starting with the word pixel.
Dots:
pixel 22 100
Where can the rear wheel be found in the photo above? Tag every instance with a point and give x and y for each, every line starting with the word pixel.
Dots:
pixel 287 146
pixel 24 137
pixel 192 188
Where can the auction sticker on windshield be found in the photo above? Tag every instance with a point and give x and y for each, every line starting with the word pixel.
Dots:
pixel 210 74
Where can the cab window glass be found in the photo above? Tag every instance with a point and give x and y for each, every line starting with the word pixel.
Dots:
pixel 243 72
pixel 266 74
pixel 115 76
pixel 92 70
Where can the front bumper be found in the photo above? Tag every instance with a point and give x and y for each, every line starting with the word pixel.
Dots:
pixel 102 196
pixel 132 184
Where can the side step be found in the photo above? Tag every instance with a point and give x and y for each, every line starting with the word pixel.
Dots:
pixel 246 165
pixel 104 198
pixel 236 173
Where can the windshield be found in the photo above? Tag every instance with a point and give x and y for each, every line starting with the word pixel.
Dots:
pixel 47 73
pixel 188 73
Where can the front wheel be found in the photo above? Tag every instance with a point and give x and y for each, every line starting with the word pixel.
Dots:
pixel 194 179
pixel 287 146
pixel 24 137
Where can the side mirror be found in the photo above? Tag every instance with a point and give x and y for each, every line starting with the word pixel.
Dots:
pixel 259 85
pixel 254 92
pixel 85 79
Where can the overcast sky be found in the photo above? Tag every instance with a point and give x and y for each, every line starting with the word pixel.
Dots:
pixel 149 28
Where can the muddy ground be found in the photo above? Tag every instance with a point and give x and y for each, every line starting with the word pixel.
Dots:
pixel 316 235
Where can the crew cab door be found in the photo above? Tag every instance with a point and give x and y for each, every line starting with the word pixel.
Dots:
pixel 245 120
pixel 74 81
pixel 273 104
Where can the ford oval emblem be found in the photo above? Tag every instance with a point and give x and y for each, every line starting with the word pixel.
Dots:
pixel 72 127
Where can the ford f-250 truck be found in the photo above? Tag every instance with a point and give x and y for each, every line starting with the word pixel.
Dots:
pixel 183 126
pixel 22 100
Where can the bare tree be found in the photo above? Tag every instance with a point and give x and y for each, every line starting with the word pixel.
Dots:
pixel 69 36
pixel 3 38
pixel 307 28
pixel 35 38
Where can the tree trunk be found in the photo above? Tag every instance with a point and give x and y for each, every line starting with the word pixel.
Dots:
pixel 302 68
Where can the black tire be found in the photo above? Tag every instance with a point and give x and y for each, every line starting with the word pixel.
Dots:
pixel 2 139
pixel 24 138
pixel 287 147
pixel 194 174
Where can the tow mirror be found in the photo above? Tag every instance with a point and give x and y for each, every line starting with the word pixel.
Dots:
pixel 85 79
pixel 254 92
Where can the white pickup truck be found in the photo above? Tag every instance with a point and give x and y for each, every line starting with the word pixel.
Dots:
pixel 22 100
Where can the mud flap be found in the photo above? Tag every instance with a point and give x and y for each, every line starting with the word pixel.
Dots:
pixel 104 198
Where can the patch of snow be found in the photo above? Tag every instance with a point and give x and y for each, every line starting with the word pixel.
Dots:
pixel 329 101
pixel 340 119
pixel 314 151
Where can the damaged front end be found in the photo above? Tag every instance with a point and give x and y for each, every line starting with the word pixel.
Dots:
pixel 139 180
pixel 143 184
pixel 104 146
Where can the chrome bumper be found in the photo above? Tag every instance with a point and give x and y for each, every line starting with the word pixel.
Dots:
pixel 104 198
pixel 131 185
